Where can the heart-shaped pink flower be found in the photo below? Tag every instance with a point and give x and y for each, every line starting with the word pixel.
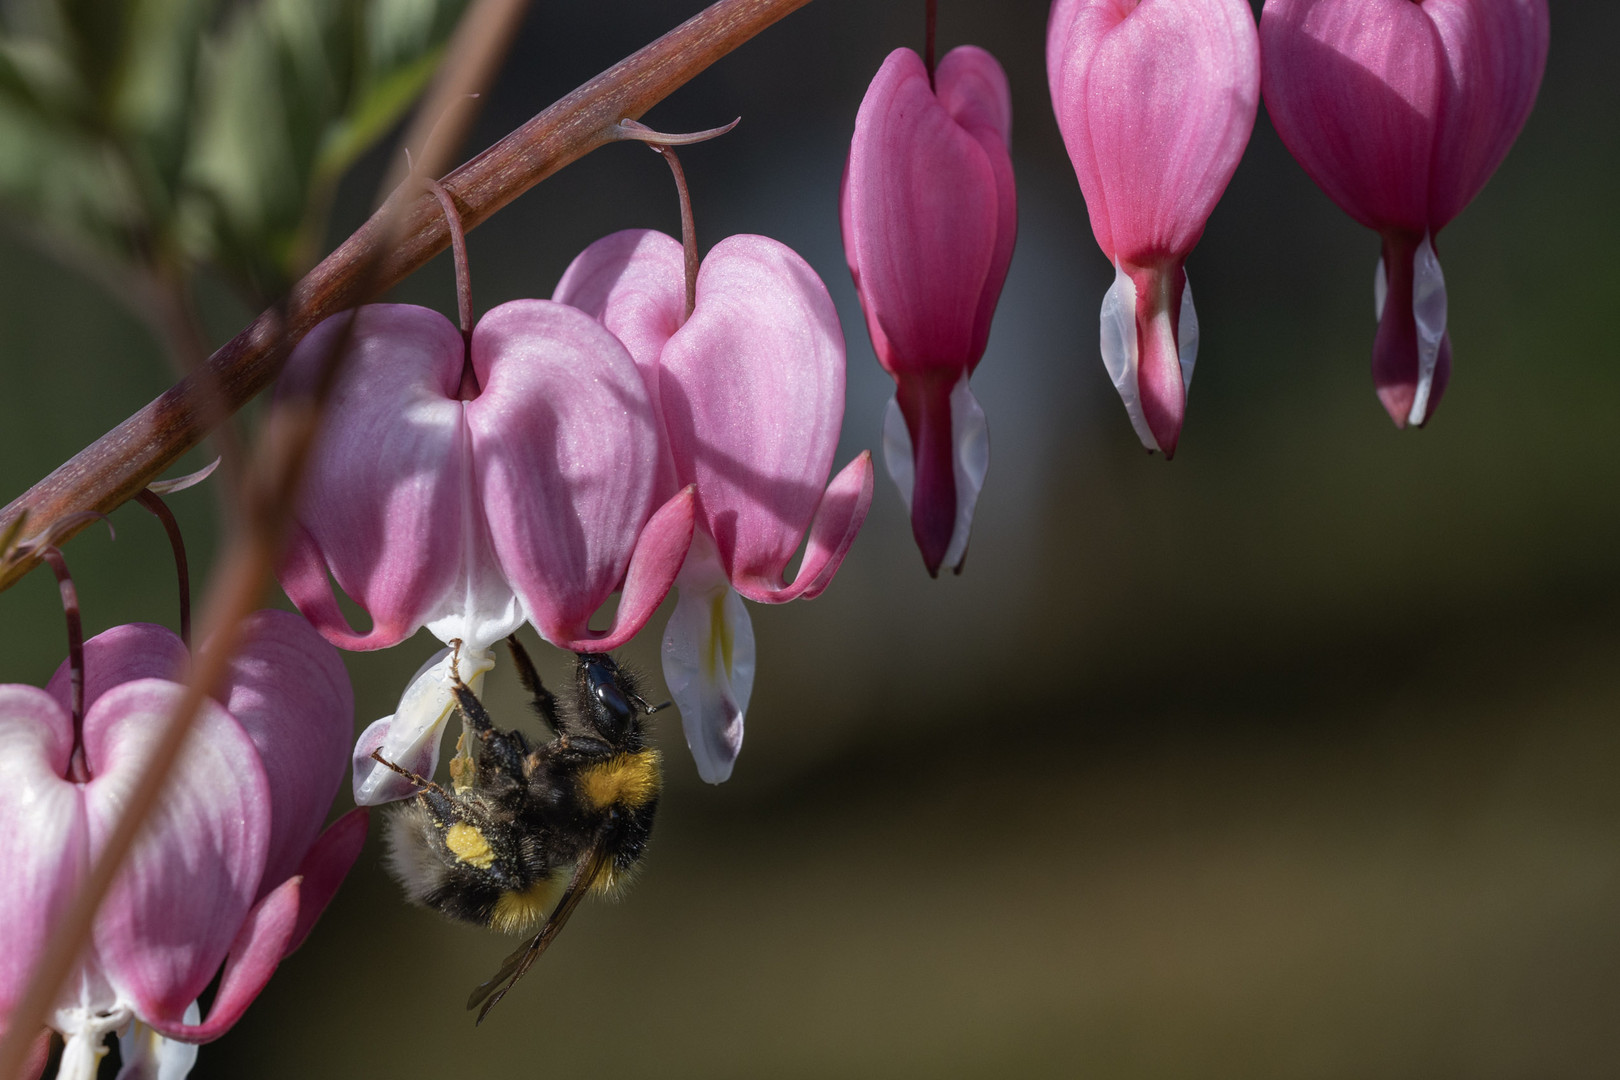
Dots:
pixel 1156 101
pixel 929 218
pixel 1401 112
pixel 750 391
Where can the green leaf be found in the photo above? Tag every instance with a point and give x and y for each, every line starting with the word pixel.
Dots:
pixel 291 94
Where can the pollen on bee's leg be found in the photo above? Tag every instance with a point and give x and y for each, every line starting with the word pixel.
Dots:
pixel 468 845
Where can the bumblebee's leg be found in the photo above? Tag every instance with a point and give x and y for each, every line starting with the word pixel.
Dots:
pixel 504 749
pixel 541 699
pixel 420 781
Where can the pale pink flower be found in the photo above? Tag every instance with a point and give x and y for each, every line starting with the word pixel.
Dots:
pixel 750 390
pixel 1401 111
pixel 531 500
pixel 929 218
pixel 1156 101
pixel 232 866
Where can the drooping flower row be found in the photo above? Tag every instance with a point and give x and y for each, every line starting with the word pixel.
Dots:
pixel 608 444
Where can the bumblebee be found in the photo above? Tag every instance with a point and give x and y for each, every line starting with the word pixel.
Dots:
pixel 524 832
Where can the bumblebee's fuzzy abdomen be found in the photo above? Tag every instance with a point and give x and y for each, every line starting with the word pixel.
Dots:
pixel 473 873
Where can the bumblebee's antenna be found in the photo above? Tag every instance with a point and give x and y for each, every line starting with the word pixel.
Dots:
pixel 518 964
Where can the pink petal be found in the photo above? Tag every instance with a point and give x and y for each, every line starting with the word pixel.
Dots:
pixel 266 936
pixel 634 283
pixel 290 692
pixel 1495 54
pixel 1155 102
pixel 920 213
pixel 566 454
pixel 753 392
pixel 44 846
pixel 39 1053
pixel 382 505
pixel 324 869
pixel 120 655
pixel 973 89
pixel 839 517
pixel 656 561
pixel 176 905
pixel 1354 89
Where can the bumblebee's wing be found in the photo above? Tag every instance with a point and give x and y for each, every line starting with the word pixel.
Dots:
pixel 516 965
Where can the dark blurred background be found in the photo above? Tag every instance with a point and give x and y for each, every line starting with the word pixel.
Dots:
pixel 1294 757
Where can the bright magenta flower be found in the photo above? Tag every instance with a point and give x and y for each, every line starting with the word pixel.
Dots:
pixel 1156 101
pixel 1401 111
pixel 750 389
pixel 233 866
pixel 531 501
pixel 929 216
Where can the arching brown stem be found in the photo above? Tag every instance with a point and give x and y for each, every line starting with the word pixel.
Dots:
pixel 111 470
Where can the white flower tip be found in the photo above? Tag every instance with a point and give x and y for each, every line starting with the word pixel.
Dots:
pixel 1429 311
pixel 410 737
pixel 708 659
pixel 1120 353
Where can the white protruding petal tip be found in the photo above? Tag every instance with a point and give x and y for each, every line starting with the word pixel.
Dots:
pixel 410 737
pixel 1187 336
pixel 708 658
pixel 970 440
pixel 1120 353
pixel 146 1055
pixel 1429 310
pixel 898 453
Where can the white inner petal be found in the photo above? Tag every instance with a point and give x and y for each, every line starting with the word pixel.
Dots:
pixel 147 1055
pixel 1187 339
pixel 897 451
pixel 479 608
pixel 708 657
pixel 1429 309
pixel 410 737
pixel 970 440
pixel 1380 289
pixel 1119 351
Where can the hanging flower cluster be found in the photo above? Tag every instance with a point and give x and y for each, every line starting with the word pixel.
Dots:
pixel 570 450
pixel 232 867
pixel 529 498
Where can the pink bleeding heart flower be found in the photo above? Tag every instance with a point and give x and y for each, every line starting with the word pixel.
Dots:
pixel 929 217
pixel 232 866
pixel 750 390
pixel 531 500
pixel 1401 111
pixel 1156 101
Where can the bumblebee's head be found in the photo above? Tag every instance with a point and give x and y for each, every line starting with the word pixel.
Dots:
pixel 607 703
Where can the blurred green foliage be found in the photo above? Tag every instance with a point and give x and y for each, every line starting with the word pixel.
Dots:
pixel 164 134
